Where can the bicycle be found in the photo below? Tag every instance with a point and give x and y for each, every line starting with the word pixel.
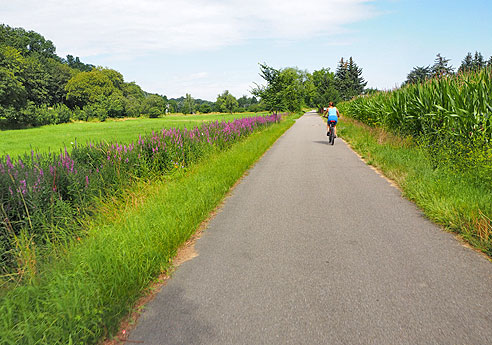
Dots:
pixel 331 133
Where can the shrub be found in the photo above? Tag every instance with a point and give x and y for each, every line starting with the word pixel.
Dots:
pixel 153 102
pixel 62 114
pixel 205 108
pixel 100 110
pixel 133 106
pixel 116 105
pixel 33 115
pixel 90 112
pixel 154 112
pixel 22 117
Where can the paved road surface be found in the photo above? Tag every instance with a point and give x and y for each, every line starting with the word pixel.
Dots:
pixel 314 247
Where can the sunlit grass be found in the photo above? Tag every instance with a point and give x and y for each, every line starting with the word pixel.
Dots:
pixel 55 137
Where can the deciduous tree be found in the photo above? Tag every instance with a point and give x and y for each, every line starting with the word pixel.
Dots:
pixel 86 87
pixel 226 102
pixel 324 88
pixel 271 93
pixel 285 88
pixel 12 90
pixel 188 105
pixel 154 105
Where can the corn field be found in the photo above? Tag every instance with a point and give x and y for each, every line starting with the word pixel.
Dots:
pixel 451 116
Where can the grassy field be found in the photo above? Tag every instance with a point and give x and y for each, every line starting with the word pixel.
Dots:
pixel 55 137
pixel 82 296
pixel 455 200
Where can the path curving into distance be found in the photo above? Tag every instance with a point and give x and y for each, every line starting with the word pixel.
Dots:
pixel 314 247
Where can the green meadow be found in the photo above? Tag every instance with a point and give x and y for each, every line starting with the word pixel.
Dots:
pixel 55 137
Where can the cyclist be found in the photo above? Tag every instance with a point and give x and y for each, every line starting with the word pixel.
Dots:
pixel 333 115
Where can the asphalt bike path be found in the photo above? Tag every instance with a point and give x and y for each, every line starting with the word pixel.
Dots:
pixel 314 247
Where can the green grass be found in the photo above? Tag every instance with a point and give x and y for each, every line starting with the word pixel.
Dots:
pixel 83 296
pixel 55 137
pixel 459 202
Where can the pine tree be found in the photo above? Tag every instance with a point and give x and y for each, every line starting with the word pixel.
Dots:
pixel 467 63
pixel 475 63
pixel 348 79
pixel 357 82
pixel 440 67
pixel 418 74
pixel 341 76
pixel 478 61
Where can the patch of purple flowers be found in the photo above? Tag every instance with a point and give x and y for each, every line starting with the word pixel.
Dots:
pixel 41 191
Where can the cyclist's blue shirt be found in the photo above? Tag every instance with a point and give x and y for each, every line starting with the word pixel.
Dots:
pixel 332 114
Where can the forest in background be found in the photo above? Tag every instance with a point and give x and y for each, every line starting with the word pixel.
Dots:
pixel 38 87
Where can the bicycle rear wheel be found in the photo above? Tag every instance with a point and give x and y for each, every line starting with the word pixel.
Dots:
pixel 332 135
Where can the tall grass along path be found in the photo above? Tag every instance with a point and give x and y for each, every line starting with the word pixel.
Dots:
pixel 450 116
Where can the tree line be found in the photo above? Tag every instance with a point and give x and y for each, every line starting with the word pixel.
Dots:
pixel 225 103
pixel 291 89
pixel 441 67
pixel 37 87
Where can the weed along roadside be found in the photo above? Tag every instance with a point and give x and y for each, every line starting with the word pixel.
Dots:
pixel 83 295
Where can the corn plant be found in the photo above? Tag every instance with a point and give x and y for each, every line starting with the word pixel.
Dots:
pixel 450 115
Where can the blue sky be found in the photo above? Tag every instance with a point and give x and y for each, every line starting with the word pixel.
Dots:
pixel 204 47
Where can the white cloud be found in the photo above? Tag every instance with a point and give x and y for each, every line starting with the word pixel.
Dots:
pixel 129 28
pixel 200 85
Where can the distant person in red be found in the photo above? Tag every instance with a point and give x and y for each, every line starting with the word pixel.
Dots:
pixel 333 115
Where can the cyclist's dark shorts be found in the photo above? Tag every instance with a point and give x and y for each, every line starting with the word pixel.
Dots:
pixel 331 121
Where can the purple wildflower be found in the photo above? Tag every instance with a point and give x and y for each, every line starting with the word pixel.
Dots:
pixel 9 162
pixel 22 187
